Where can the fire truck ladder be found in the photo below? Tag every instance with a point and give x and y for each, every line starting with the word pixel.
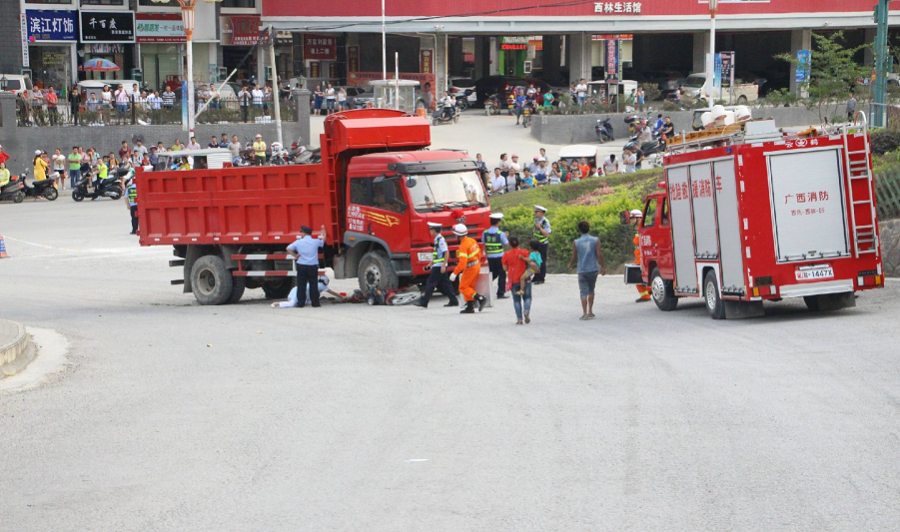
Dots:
pixel 862 204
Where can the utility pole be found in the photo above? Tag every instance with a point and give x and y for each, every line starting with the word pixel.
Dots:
pixel 882 60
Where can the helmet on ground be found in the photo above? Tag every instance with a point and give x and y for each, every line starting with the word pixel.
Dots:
pixel 460 230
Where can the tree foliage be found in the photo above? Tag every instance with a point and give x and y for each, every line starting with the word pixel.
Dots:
pixel 833 73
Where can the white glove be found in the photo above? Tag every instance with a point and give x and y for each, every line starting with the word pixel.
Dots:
pixel 452 277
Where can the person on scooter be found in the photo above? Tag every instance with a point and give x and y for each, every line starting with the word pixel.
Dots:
pixel 4 175
pixel 102 171
pixel 447 104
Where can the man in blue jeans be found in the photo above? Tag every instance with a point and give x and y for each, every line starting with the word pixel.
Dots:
pixel 74 159
pixel 305 250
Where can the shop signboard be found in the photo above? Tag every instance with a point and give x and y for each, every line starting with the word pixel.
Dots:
pixel 618 8
pixel 803 66
pixel 26 60
pixel 612 59
pixel 107 26
pixel 333 70
pixel 726 69
pixel 514 42
pixel 52 26
pixel 321 47
pixel 426 61
pixel 608 36
pixel 159 28
pixel 239 30
pixel 315 69
pixel 352 58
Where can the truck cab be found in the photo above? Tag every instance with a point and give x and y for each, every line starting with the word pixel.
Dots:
pixel 390 199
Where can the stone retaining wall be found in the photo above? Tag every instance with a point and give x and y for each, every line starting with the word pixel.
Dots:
pixel 579 129
pixel 890 247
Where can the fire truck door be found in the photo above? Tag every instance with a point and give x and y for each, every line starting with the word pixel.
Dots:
pixel 730 256
pixel 682 230
pixel 702 205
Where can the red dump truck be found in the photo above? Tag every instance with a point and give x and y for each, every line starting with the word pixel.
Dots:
pixel 753 215
pixel 375 192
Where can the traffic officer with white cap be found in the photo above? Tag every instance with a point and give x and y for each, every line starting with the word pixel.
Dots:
pixel 495 244
pixel 541 233
pixel 438 276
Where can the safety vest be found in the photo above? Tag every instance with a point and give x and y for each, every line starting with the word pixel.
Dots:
pixel 438 257
pixel 132 196
pixel 493 245
pixel 538 235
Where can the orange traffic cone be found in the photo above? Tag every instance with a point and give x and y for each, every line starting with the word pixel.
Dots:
pixel 2 248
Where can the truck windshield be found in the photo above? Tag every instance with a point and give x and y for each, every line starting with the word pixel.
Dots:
pixel 433 192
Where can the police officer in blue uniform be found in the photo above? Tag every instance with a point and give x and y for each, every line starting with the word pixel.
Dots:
pixel 438 276
pixel 495 244
pixel 541 233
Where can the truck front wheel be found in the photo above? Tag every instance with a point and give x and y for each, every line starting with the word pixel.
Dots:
pixel 714 304
pixel 278 289
pixel 211 281
pixel 663 294
pixel 376 271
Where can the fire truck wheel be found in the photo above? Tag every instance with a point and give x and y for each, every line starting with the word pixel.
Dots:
pixel 211 281
pixel 238 285
pixel 714 304
pixel 663 294
pixel 278 289
pixel 376 271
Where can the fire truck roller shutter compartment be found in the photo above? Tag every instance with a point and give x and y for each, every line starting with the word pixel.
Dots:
pixel 705 241
pixel 682 237
pixel 808 208
pixel 731 258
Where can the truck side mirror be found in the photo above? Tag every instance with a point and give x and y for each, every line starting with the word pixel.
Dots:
pixel 410 182
pixel 625 217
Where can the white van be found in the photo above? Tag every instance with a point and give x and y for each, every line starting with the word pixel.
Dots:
pixel 91 86
pixel 17 83
pixel 208 159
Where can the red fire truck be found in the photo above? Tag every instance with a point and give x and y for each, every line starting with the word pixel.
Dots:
pixel 755 215
pixel 375 192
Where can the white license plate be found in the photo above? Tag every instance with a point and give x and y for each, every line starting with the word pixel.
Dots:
pixel 815 275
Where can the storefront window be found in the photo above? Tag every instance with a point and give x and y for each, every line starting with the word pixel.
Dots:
pixel 238 3
pixel 48 1
pixel 102 2
pixel 51 65
pixel 161 64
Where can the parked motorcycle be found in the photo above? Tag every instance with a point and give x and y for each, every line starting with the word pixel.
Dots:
pixel 462 101
pixel 40 189
pixel 13 191
pixel 108 188
pixel 279 155
pixel 604 130
pixel 440 117
pixel 492 105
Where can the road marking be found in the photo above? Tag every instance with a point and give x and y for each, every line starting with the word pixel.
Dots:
pixel 70 250
pixel 416 460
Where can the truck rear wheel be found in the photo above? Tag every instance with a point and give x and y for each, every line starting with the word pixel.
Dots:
pixel 211 281
pixel 238 285
pixel 663 294
pixel 714 304
pixel 376 271
pixel 279 288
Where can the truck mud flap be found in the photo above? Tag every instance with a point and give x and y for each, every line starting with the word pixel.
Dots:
pixel 739 310
pixel 829 302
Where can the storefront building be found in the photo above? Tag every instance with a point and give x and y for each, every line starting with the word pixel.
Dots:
pixel 161 38
pixel 569 41
pixel 108 35
pixel 51 36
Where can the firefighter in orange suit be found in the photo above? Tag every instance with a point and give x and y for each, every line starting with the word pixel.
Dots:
pixel 468 266
pixel 643 290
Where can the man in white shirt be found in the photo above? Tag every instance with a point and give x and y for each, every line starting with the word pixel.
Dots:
pixel 498 183
pixel 611 165
pixel 258 97
pixel 581 91
pixel 535 165
pixel 155 101
pixel 193 145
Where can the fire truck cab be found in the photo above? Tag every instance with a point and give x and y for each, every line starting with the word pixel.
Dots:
pixel 748 214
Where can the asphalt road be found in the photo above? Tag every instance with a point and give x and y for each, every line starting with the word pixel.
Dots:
pixel 172 416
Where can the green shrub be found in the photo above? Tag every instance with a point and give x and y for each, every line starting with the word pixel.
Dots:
pixel 885 140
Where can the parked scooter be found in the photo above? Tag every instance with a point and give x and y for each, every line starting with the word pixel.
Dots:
pixel 13 191
pixel 40 189
pixel 108 188
pixel 440 117
pixel 492 105
pixel 279 155
pixel 604 130
pixel 301 154
pixel 462 101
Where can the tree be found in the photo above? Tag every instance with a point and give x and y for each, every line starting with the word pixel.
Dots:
pixel 833 73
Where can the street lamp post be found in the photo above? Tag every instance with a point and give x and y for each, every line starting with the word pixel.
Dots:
pixel 710 60
pixel 187 17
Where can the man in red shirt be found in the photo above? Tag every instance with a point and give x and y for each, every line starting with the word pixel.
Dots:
pixel 515 267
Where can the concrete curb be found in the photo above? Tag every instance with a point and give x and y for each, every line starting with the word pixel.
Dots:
pixel 13 341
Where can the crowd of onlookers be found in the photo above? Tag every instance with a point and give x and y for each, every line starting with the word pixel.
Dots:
pixel 511 175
